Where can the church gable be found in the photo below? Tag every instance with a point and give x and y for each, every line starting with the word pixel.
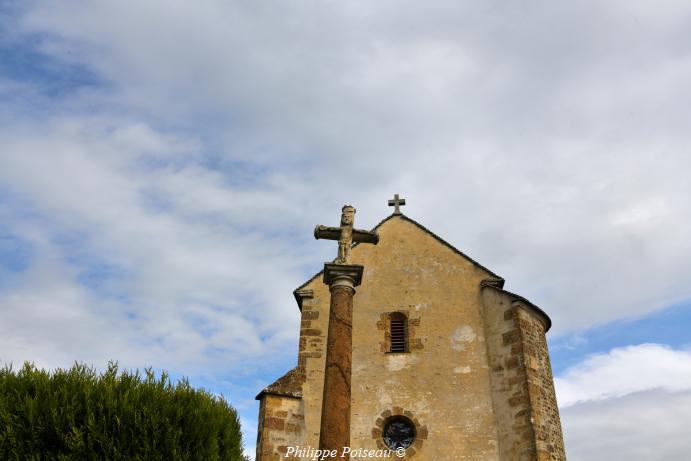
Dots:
pixel 442 242
pixel 401 234
pixel 405 241
pixel 437 346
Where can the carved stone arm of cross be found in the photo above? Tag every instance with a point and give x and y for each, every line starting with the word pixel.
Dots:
pixel 334 233
pixel 326 232
pixel 346 237
pixel 365 236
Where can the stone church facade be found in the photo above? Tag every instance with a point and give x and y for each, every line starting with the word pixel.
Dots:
pixel 441 352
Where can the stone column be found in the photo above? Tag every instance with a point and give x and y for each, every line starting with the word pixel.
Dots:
pixel 334 433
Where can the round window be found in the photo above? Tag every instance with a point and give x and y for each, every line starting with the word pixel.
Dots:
pixel 399 432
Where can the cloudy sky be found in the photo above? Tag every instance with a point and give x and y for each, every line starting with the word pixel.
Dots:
pixel 163 164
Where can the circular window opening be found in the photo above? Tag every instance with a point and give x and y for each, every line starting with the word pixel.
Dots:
pixel 399 432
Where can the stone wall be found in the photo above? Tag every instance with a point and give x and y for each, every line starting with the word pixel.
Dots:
pixel 312 356
pixel 509 391
pixel 281 424
pixel 524 400
pixel 543 402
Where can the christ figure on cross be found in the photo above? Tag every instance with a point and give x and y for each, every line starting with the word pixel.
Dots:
pixel 345 234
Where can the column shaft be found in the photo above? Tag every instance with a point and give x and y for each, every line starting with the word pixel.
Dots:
pixel 335 420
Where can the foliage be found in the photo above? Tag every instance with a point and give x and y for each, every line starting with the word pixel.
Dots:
pixel 79 414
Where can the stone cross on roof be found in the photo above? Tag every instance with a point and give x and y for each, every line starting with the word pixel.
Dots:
pixel 397 202
pixel 345 234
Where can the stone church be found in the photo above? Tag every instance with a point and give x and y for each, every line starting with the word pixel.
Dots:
pixel 446 364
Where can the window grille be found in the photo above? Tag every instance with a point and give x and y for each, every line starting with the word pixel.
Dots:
pixel 398 333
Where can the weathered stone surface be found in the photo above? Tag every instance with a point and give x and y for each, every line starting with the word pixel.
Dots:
pixel 335 416
pixel 311 332
pixel 281 424
pixel 524 401
pixel 289 384
pixel 310 315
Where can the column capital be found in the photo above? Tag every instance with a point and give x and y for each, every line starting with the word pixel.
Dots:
pixel 349 275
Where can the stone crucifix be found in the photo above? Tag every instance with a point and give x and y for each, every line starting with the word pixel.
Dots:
pixel 345 234
pixel 342 277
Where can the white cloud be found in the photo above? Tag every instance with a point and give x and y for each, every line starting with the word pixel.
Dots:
pixel 631 403
pixel 623 371
pixel 188 283
pixel 648 425
pixel 537 140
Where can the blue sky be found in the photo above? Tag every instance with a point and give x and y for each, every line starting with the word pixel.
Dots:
pixel 163 165
pixel 667 326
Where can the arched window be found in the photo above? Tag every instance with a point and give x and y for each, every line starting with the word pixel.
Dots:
pixel 398 329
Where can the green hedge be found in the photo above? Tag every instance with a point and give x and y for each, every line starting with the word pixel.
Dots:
pixel 79 414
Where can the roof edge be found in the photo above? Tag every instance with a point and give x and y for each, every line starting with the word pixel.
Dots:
pixel 288 385
pixel 542 315
pixel 402 216
pixel 451 247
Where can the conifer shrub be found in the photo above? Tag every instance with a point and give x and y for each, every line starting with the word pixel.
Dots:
pixel 78 414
